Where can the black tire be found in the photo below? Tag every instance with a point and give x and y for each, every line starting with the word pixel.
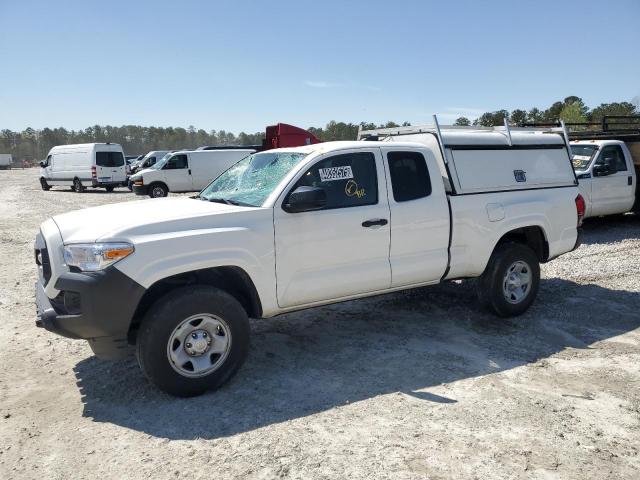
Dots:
pixel 44 185
pixel 109 189
pixel 77 186
pixel 166 315
pixel 492 289
pixel 158 190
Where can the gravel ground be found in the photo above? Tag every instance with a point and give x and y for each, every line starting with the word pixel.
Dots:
pixel 416 384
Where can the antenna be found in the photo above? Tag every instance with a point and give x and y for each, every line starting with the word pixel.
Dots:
pixel 440 142
pixel 508 130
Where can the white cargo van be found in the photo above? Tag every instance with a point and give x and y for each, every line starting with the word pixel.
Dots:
pixel 99 165
pixel 5 161
pixel 185 171
pixel 148 160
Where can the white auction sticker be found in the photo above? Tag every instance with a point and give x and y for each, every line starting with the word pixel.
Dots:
pixel 335 173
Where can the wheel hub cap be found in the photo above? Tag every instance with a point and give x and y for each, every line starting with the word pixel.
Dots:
pixel 517 282
pixel 199 345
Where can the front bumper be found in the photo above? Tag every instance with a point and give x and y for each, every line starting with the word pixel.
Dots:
pixel 141 189
pixel 96 306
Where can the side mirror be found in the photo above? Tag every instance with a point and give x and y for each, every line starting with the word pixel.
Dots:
pixel 43 164
pixel 601 171
pixel 304 199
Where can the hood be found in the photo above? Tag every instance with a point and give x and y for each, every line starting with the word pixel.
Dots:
pixel 138 175
pixel 121 221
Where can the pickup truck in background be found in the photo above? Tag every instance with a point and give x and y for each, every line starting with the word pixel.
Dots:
pixel 606 158
pixel 293 228
pixel 607 175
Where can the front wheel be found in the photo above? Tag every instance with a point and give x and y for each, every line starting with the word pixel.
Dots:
pixel 44 185
pixel 158 190
pixel 193 340
pixel 510 282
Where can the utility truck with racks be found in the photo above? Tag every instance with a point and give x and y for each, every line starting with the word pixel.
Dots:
pixel 606 158
pixel 294 228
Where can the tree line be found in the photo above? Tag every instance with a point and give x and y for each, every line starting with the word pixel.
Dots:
pixel 33 145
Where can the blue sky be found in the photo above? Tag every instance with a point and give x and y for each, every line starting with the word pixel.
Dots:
pixel 240 65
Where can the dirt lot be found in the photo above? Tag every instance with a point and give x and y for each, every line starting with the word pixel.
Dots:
pixel 416 384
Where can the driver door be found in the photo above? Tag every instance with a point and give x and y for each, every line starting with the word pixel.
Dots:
pixel 611 193
pixel 177 174
pixel 343 248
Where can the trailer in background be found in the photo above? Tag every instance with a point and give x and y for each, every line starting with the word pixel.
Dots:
pixel 281 135
pixel 6 161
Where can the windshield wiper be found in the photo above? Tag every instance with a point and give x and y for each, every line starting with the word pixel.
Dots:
pixel 228 201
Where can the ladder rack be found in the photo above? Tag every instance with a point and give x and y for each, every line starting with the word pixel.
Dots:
pixel 436 126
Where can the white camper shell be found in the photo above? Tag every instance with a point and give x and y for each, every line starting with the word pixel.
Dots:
pixel 491 159
pixel 185 171
pixel 98 165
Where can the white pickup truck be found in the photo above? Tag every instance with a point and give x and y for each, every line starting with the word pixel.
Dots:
pixel 607 176
pixel 294 228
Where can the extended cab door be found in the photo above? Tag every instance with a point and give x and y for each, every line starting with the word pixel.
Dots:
pixel 612 188
pixel 177 174
pixel 419 216
pixel 343 248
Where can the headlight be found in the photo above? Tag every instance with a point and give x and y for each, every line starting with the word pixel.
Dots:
pixel 91 257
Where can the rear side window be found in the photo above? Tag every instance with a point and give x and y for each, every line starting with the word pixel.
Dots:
pixel 409 176
pixel 109 159
pixel 350 180
pixel 615 153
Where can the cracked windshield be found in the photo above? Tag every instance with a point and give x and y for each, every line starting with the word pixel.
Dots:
pixel 250 181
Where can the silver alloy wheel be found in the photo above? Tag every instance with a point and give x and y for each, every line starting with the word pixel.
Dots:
pixel 517 282
pixel 157 192
pixel 199 345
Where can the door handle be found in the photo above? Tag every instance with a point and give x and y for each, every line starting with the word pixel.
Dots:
pixel 371 223
pixel 629 180
pixel 189 171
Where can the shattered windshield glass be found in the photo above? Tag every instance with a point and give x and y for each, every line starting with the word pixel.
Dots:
pixel 250 181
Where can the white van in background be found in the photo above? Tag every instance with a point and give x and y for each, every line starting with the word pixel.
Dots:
pixel 148 160
pixel 185 171
pixel 99 165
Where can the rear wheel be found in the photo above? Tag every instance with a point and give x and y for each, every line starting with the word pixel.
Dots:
pixel 193 340
pixel 77 186
pixel 44 185
pixel 157 190
pixel 109 189
pixel 510 282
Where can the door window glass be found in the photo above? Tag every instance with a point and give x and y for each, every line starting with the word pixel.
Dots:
pixel 409 176
pixel 350 180
pixel 176 162
pixel 615 153
pixel 109 159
